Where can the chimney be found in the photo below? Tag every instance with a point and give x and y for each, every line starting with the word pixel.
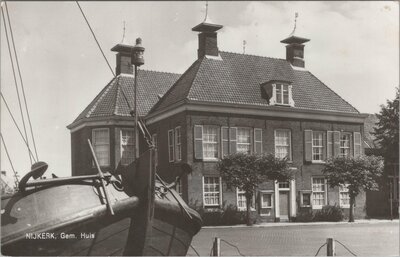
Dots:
pixel 295 47
pixel 208 43
pixel 295 50
pixel 123 62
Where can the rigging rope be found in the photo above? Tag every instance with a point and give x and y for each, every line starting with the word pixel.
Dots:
pixel 20 77
pixel 16 84
pixel 320 249
pixel 12 166
pixel 16 125
pixel 346 248
pixel 98 44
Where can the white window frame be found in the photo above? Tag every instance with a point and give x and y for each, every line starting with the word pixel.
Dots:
pixel 290 143
pixel 344 190
pixel 120 145
pixel 280 87
pixel 178 144
pixel 219 192
pixel 95 145
pixel 321 147
pixel 171 155
pixel 283 188
pixel 344 147
pixel 253 201
pixel 210 142
pixel 224 141
pixel 271 194
pixel 237 139
pixel 316 206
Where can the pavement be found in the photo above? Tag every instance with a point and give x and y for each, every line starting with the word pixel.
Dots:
pixel 361 238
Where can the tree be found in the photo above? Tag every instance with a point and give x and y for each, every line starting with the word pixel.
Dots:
pixel 247 171
pixel 387 129
pixel 359 174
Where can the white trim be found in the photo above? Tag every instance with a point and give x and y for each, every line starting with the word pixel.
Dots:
pixel 302 192
pixel 169 145
pixel 267 192
pixel 255 141
pixel 220 192
pixel 290 142
pixel 217 142
pixel 98 123
pixel 293 206
pixel 109 146
pixel 325 193
pixel 237 138
pixel 255 110
pixel 276 193
pixel 340 198
pixel 321 147
pixel 252 205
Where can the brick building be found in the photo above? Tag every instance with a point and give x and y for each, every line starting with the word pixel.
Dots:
pixel 224 103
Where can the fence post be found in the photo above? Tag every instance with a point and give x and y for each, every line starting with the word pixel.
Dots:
pixel 216 247
pixel 330 247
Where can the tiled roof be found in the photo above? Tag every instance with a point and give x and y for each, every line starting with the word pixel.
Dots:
pixel 112 102
pixel 236 78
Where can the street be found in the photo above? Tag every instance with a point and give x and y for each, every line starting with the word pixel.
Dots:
pixel 362 239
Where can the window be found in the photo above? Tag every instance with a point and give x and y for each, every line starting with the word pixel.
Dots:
pixel 127 146
pixel 317 146
pixel 284 185
pixel 318 193
pixel 305 198
pixel 225 141
pixel 171 145
pixel 282 144
pixel 344 197
pixel 101 145
pixel 357 144
pixel 211 191
pixel 266 202
pixel 210 142
pixel 282 94
pixel 258 140
pixel 154 139
pixel 243 140
pixel 178 145
pixel 344 145
pixel 241 200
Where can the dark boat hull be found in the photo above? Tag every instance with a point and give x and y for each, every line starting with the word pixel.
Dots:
pixel 72 220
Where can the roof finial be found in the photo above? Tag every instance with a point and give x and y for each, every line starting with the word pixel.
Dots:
pixel 296 14
pixel 244 46
pixel 205 18
pixel 123 36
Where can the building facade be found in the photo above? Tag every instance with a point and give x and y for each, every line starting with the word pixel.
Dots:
pixel 226 103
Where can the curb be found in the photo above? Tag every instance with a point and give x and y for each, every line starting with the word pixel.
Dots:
pixel 289 224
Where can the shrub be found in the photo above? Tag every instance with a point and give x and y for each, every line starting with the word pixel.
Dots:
pixel 329 213
pixel 305 215
pixel 227 215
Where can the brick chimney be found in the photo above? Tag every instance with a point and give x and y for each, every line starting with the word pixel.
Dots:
pixel 295 50
pixel 208 43
pixel 123 58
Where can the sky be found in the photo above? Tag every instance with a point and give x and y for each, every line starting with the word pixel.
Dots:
pixel 354 49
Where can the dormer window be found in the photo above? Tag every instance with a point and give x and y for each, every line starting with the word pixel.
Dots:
pixel 282 94
pixel 278 93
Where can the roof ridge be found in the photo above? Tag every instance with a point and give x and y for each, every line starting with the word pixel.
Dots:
pixel 281 59
pixel 166 72
pixel 104 93
pixel 333 91
pixel 175 84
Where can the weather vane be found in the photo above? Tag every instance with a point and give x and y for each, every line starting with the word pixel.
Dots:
pixel 244 46
pixel 123 35
pixel 296 15
pixel 205 18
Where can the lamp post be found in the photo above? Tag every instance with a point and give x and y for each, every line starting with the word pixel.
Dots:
pixel 137 60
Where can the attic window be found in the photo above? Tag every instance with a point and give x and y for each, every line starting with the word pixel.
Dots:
pixel 281 94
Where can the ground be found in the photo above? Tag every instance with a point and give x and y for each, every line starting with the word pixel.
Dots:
pixel 368 238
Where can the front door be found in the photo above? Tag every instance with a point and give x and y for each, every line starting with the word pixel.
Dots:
pixel 284 205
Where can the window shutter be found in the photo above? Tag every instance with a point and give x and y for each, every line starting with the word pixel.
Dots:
pixel 308 145
pixel 329 145
pixel 324 146
pixel 258 141
pixel 117 145
pixel 225 141
pixel 351 145
pixel 357 144
pixel 232 140
pixel 336 143
pixel 198 142
pixel 291 102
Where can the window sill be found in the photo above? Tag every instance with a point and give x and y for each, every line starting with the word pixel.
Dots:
pixel 318 162
pixel 244 209
pixel 210 160
pixel 345 207
pixel 305 206
pixel 317 207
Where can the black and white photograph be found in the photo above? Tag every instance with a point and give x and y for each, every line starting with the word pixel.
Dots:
pixel 199 128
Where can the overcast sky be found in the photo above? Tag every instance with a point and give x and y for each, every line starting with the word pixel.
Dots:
pixel 354 49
